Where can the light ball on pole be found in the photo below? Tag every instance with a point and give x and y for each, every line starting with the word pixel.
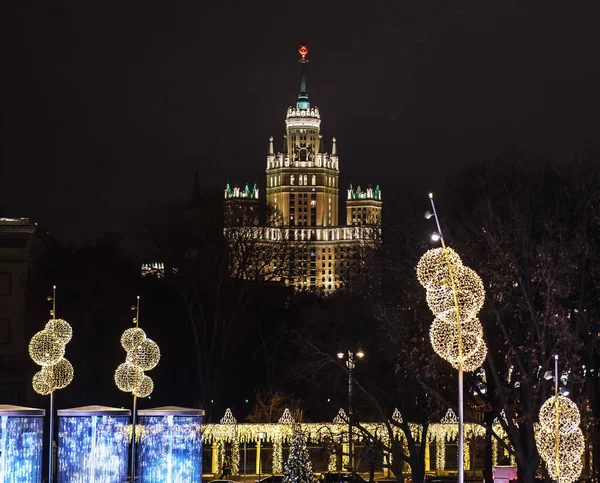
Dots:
pixel 146 355
pixel 127 375
pixel 61 329
pixel 132 338
pixel 45 349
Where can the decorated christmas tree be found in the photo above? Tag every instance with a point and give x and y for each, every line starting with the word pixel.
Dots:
pixel 298 468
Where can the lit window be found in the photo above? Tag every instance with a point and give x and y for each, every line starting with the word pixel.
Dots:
pixel 292 180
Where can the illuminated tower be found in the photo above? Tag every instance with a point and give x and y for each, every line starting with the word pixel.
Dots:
pixel 302 198
pixel 302 181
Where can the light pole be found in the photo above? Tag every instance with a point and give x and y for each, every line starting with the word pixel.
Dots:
pixel 350 364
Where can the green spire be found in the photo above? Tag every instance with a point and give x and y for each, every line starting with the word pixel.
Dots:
pixel 303 96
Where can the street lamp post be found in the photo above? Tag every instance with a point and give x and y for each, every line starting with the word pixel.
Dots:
pixel 350 364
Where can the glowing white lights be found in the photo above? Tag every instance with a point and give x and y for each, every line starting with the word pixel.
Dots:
pixel 170 448
pixel 21 435
pixel 93 445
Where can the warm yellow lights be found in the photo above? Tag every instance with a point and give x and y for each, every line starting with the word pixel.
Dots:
pixel 60 329
pixel 143 354
pixel 144 387
pixel 455 295
pixel 469 291
pixel 47 349
pixel 126 376
pixel 432 269
pixel 132 338
pixel 51 378
pixel 560 440
pixel 568 414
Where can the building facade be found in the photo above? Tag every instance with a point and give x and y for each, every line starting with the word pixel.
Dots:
pixel 21 245
pixel 302 201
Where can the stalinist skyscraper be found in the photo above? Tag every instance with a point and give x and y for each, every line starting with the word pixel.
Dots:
pixel 302 196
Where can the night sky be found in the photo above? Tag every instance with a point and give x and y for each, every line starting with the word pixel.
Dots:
pixel 110 106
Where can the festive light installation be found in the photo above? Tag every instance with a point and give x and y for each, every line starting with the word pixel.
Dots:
pixel 92 445
pixel 559 438
pixel 47 349
pixel 171 446
pixel 143 354
pixel 455 295
pixel 21 444
pixel 217 436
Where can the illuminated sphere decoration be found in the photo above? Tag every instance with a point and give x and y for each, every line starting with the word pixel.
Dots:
pixel 61 329
pixel 432 269
pixel 470 296
pixel 61 373
pixel 143 354
pixel 560 440
pixel 568 419
pixel 127 375
pixel 132 338
pixel 41 382
pixel 146 355
pixel 45 349
pixel 455 295
pixel 145 387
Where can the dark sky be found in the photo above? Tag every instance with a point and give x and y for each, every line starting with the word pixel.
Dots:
pixel 109 106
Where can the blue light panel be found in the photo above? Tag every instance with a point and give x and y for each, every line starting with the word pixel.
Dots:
pixel 93 449
pixel 170 449
pixel 21 441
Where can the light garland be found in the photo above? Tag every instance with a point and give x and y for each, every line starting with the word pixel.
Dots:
pixel 455 294
pixel 559 439
pixel 230 432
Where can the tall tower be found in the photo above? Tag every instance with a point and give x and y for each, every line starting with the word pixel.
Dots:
pixel 302 206
pixel 302 181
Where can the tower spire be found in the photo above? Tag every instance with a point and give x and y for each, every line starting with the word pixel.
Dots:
pixel 303 96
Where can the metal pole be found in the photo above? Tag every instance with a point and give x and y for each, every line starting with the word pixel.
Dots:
pixel 461 446
pixel 133 416
pixel 350 384
pixel 51 440
pixel 461 436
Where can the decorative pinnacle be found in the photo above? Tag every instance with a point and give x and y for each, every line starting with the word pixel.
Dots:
pixel 303 51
